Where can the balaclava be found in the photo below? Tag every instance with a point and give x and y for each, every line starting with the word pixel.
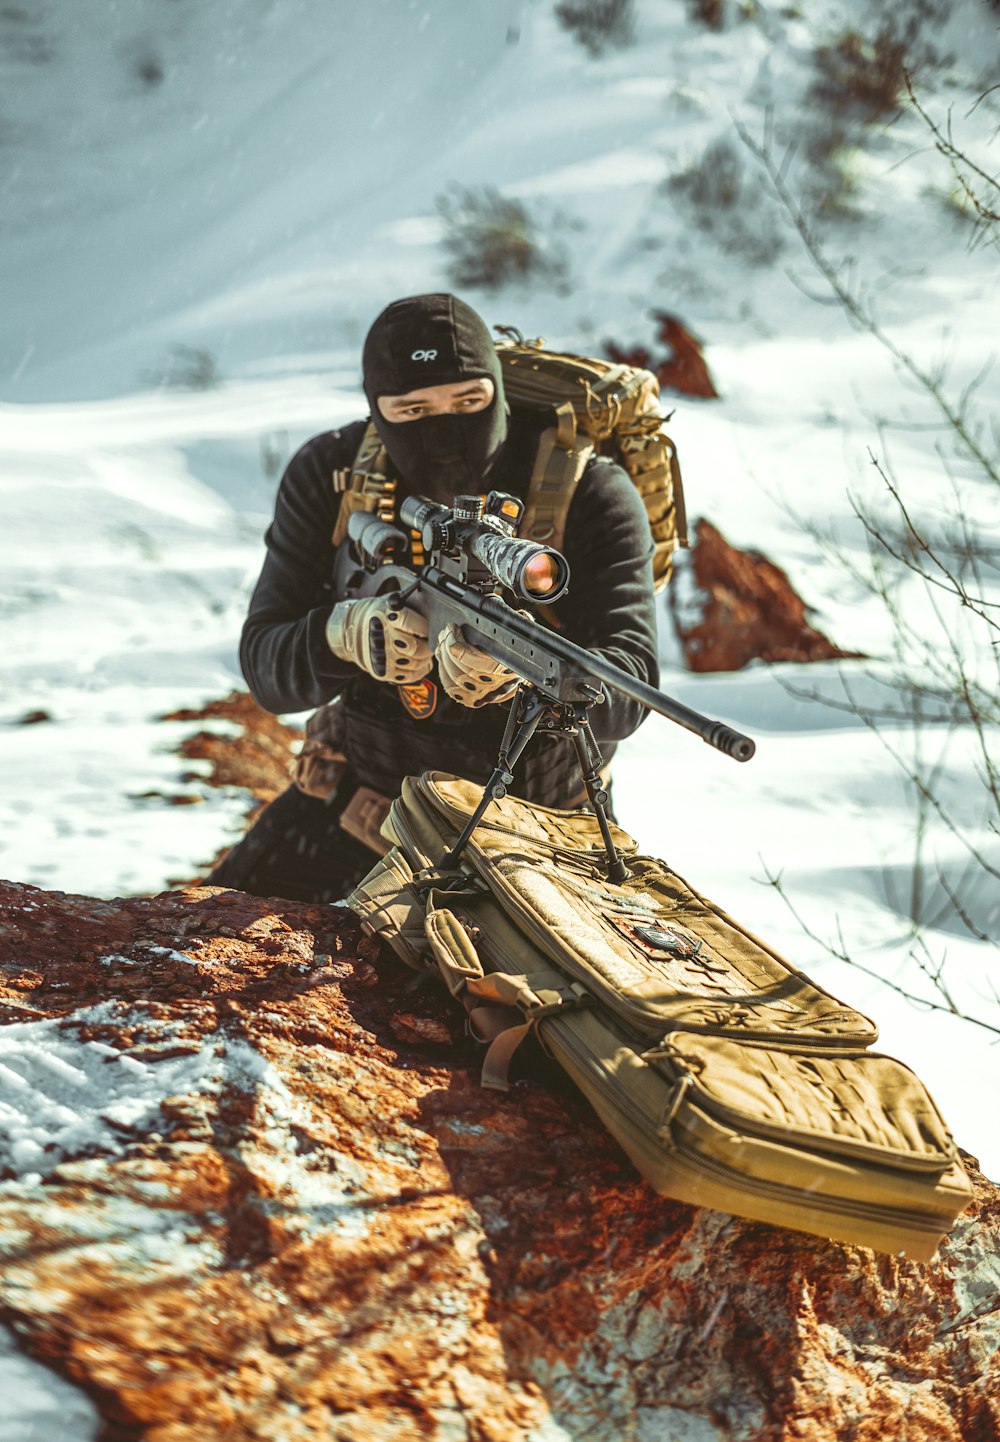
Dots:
pixel 430 340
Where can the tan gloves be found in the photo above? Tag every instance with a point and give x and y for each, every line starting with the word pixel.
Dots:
pixel 470 676
pixel 387 640
pixel 390 643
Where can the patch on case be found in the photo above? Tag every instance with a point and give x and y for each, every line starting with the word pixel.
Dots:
pixel 420 699
pixel 664 938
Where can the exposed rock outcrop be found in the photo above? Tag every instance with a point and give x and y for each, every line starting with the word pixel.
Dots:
pixel 257 755
pixel 741 608
pixel 683 368
pixel 254 1191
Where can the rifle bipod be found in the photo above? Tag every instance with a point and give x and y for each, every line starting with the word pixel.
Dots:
pixel 528 710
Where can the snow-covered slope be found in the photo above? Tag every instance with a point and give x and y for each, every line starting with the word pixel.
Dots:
pixel 252 183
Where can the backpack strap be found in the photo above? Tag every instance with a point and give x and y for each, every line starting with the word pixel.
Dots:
pixel 367 486
pixel 560 461
pixel 502 1008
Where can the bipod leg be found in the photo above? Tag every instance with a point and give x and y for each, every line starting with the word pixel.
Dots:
pixel 515 713
pixel 589 755
pixel 522 721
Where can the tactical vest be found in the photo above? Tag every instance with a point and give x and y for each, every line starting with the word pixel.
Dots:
pixel 594 408
pixel 383 744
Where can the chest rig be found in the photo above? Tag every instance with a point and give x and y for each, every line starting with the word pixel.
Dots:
pixel 369 485
pixel 380 744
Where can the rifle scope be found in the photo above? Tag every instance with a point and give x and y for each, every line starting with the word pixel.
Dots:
pixel 531 571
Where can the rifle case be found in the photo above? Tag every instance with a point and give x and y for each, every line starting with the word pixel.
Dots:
pixel 729 1078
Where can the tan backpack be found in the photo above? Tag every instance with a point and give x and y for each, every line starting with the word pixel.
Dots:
pixel 597 408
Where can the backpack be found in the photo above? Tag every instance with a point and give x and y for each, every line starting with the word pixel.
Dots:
pixel 597 408
pixel 730 1079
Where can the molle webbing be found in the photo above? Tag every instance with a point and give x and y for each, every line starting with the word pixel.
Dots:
pixel 599 408
pixel 368 486
pixel 554 477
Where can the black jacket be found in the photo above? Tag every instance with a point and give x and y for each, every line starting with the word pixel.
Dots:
pixel 609 609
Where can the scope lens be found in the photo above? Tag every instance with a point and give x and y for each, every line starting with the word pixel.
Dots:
pixel 542 574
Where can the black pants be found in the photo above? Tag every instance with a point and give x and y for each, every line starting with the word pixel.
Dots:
pixel 296 849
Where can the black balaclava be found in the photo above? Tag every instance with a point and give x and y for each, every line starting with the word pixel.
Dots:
pixel 430 340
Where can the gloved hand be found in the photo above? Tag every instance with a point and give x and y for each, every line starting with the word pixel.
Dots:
pixel 470 676
pixel 385 639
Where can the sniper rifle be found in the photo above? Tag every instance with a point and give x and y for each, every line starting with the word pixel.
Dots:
pixel 471 555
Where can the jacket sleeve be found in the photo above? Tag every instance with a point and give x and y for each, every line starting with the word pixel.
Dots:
pixel 283 652
pixel 610 606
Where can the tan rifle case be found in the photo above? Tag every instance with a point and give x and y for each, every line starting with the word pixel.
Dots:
pixel 729 1078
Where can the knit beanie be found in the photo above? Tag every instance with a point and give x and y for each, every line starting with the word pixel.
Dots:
pixel 431 340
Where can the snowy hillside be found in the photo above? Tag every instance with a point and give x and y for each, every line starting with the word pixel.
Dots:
pixel 205 208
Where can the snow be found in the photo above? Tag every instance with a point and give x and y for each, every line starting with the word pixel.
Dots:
pixel 66 1095
pixel 40 1404
pixel 62 1096
pixel 225 203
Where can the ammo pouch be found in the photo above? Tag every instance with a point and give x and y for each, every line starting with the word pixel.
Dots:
pixel 729 1078
pixel 321 763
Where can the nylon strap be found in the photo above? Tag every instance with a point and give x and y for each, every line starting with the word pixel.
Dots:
pixel 496 1063
pixel 559 464
pixel 507 997
pixel 486 1023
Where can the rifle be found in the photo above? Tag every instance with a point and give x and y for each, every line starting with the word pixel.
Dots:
pixel 471 553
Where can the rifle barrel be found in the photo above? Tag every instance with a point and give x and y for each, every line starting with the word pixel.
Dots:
pixel 715 733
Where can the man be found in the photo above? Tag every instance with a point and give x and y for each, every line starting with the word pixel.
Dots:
pixel 433 380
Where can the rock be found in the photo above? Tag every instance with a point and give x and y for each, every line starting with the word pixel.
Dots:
pixel 733 607
pixel 408 1027
pixel 683 368
pixel 256 755
pixel 238 1205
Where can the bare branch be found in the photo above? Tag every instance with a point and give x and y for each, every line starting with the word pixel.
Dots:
pixel 946 1005
pixel 956 157
pixel 864 315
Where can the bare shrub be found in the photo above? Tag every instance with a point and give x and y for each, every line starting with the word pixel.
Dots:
pixel 975 194
pixel 710 12
pixel 149 70
pixel 935 571
pixel 715 182
pixel 186 368
pixel 22 38
pixel 866 77
pixel 598 25
pixel 493 240
pixel 720 199
pixel 860 79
